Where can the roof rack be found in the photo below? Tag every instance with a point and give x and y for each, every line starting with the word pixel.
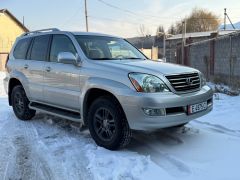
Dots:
pixel 40 31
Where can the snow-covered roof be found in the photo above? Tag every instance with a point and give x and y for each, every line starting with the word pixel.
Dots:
pixel 229 26
pixel 201 34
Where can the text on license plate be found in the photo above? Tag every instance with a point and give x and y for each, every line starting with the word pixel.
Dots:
pixel 197 107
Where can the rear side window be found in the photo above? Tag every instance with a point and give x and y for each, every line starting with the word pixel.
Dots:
pixel 21 48
pixel 40 48
pixel 61 43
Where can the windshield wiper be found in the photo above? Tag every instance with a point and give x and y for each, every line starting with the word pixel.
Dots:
pixel 115 58
pixel 104 58
pixel 133 58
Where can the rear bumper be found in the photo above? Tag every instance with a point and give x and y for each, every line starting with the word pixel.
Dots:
pixel 133 107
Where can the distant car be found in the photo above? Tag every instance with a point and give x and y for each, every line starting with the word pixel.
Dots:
pixel 103 82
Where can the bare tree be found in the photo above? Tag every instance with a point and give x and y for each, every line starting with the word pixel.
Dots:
pixel 160 29
pixel 143 31
pixel 172 29
pixel 199 20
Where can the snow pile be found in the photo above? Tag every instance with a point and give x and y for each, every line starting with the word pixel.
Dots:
pixel 225 114
pixel 2 91
pixel 120 165
pixel 221 88
pixel 105 164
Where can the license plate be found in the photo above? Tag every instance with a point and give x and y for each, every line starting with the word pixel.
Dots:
pixel 197 107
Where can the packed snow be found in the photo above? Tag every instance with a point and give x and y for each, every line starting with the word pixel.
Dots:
pixel 52 148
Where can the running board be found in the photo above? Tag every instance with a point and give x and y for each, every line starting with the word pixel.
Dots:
pixel 66 114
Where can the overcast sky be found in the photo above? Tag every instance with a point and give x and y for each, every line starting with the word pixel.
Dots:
pixel 69 14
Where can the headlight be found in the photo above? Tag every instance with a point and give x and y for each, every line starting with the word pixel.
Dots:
pixel 147 83
pixel 203 80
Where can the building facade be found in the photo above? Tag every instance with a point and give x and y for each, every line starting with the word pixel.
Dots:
pixel 10 29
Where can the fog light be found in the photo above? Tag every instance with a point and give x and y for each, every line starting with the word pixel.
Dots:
pixel 154 112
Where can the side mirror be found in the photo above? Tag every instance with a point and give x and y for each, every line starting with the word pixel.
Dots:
pixel 67 58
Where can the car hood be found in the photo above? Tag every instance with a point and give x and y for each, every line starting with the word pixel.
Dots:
pixel 147 66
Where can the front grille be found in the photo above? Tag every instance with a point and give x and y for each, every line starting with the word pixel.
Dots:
pixel 185 82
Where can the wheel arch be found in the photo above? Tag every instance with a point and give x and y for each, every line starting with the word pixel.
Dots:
pixel 12 83
pixel 91 95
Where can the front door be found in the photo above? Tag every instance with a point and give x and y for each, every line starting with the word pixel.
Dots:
pixel 61 81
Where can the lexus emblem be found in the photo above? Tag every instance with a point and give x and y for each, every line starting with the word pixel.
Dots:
pixel 189 81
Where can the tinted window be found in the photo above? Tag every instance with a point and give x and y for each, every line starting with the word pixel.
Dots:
pixel 61 43
pixel 21 48
pixel 39 48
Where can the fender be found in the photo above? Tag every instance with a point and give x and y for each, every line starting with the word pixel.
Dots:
pixel 23 80
pixel 114 87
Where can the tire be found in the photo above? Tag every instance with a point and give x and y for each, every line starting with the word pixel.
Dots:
pixel 107 124
pixel 20 104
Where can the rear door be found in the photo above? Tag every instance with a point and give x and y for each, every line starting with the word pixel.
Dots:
pixel 62 81
pixel 19 63
pixel 36 59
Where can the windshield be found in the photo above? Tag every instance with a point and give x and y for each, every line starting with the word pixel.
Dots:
pixel 107 48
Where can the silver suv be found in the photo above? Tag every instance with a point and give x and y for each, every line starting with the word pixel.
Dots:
pixel 103 82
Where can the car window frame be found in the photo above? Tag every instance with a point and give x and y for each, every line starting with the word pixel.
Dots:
pixel 50 46
pixel 29 53
pixel 26 53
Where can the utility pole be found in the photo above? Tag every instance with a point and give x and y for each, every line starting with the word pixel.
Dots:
pixel 86 15
pixel 225 18
pixel 164 47
pixel 225 14
pixel 184 28
pixel 164 44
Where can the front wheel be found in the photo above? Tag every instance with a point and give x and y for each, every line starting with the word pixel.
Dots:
pixel 107 124
pixel 20 104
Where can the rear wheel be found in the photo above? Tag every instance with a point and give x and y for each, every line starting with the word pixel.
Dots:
pixel 107 124
pixel 20 104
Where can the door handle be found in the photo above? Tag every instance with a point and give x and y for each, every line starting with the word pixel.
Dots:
pixel 25 66
pixel 48 69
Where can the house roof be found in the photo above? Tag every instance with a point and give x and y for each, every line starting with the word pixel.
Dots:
pixel 200 34
pixel 5 11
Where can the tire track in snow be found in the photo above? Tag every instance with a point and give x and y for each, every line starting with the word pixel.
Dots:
pixel 24 162
pixel 218 128
pixel 63 145
pixel 142 144
pixel 27 164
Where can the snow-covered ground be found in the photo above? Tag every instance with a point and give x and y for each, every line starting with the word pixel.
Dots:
pixel 51 148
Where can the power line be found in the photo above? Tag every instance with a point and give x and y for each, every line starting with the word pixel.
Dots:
pixel 115 7
pixel 124 21
pixel 113 20
pixel 72 16
pixel 143 14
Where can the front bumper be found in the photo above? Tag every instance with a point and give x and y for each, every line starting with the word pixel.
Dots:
pixel 133 107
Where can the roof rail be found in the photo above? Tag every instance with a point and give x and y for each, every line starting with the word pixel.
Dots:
pixel 40 31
